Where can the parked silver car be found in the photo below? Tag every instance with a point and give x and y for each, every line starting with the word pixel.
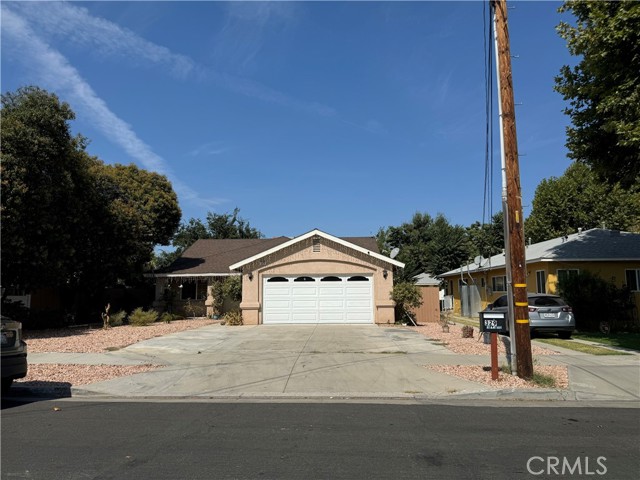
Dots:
pixel 14 352
pixel 547 313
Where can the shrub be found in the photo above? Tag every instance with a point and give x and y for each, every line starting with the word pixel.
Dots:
pixel 467 331
pixel 407 296
pixel 117 318
pixel 233 318
pixel 166 317
pixel 232 288
pixel 218 296
pixel 141 318
pixel 593 299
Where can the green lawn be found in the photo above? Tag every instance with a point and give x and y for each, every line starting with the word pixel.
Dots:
pixel 622 340
pixel 581 347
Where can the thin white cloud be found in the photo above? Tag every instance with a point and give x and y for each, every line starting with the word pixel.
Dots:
pixel 209 149
pixel 245 28
pixel 75 24
pixel 57 74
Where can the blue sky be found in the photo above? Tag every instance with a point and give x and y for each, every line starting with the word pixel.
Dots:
pixel 343 116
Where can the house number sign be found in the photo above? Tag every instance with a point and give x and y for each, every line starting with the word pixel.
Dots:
pixel 494 322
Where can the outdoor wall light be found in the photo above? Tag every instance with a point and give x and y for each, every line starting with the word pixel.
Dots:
pixel 385 274
pixel 250 275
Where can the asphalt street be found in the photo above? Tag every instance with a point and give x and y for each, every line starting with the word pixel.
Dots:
pixel 72 439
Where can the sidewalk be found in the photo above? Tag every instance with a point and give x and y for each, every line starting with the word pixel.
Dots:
pixel 304 362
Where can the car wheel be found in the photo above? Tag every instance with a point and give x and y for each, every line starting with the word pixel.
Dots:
pixel 564 335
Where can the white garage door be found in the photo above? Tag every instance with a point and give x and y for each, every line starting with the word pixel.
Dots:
pixel 318 299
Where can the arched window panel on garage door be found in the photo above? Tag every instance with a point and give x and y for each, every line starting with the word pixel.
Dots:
pixel 304 279
pixel 277 279
pixel 331 279
pixel 357 278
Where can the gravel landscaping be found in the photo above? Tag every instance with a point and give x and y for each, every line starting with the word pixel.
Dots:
pixel 93 340
pixel 98 340
pixel 475 346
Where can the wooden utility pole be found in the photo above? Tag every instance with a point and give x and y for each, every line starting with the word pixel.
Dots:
pixel 514 216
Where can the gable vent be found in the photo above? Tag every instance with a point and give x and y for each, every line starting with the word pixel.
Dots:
pixel 316 244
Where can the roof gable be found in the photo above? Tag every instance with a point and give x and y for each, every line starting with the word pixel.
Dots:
pixel 351 242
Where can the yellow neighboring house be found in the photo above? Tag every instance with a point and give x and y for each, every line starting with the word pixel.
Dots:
pixel 611 254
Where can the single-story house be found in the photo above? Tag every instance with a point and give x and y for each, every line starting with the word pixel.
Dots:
pixel 429 288
pixel 312 278
pixel 611 254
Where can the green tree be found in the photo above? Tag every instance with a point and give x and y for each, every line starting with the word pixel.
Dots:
pixel 67 218
pixel 136 210
pixel 43 171
pixel 487 239
pixel 230 225
pixel 426 244
pixel 218 225
pixel 603 89
pixel 578 199
pixel 407 297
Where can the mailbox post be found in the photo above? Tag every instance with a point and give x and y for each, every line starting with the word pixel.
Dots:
pixel 494 323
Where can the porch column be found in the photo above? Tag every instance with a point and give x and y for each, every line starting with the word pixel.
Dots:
pixel 161 285
pixel 208 303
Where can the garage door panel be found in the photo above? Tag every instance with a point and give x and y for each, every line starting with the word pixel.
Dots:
pixel 358 304
pixel 359 316
pixel 331 291
pixel 331 303
pixel 279 317
pixel 299 317
pixel 297 303
pixel 359 290
pixel 331 317
pixel 278 304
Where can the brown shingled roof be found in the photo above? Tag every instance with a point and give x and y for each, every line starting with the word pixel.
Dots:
pixel 214 256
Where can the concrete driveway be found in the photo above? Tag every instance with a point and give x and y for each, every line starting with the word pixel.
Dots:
pixel 286 361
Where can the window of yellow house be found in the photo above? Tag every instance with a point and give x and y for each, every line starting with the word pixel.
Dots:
pixel 499 284
pixel 541 281
pixel 633 279
pixel 563 274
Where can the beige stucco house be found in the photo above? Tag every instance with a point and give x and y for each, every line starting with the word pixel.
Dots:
pixel 313 278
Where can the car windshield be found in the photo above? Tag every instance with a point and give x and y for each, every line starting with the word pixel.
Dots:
pixel 546 301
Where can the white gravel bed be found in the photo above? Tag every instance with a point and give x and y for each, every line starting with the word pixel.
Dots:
pixel 93 340
pixel 100 340
pixel 475 346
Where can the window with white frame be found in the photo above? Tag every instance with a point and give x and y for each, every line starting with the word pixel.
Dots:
pixel 633 279
pixel 566 273
pixel 499 284
pixel 541 281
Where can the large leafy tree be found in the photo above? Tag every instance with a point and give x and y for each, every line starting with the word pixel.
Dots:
pixel 426 244
pixel 487 239
pixel 135 210
pixel 578 199
pixel 67 218
pixel 218 225
pixel 603 89
pixel 43 171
